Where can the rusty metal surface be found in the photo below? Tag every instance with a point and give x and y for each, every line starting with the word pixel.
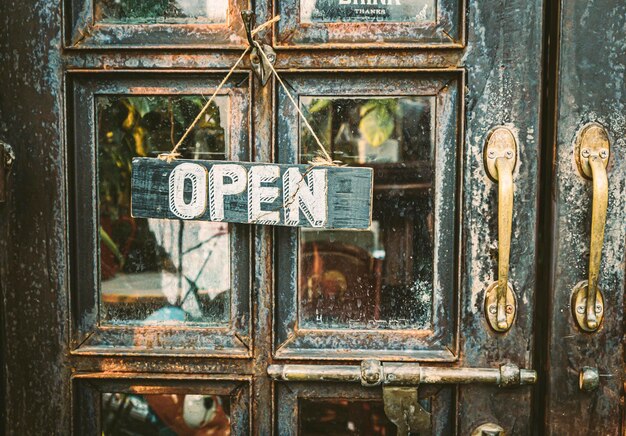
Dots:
pixel 590 89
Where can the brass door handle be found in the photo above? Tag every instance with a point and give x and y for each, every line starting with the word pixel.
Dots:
pixel 592 156
pixel 500 158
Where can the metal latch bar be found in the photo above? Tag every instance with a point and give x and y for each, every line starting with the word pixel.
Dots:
pixel 374 373
pixel 400 383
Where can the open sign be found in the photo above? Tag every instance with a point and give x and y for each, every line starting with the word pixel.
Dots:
pixel 257 193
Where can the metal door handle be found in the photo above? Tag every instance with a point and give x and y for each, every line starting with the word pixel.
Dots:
pixel 500 157
pixel 592 156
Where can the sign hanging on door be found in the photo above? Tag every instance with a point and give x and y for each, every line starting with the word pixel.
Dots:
pixel 326 197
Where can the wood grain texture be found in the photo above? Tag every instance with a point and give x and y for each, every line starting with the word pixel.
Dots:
pixel 348 194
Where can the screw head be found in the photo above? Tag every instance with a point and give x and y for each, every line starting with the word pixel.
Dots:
pixel 598 308
pixel 604 153
pixel 580 309
pixel 491 154
pixel 509 309
pixel 509 154
pixel 493 309
pixel 585 152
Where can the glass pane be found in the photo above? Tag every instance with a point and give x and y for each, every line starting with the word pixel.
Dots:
pixel 331 11
pixel 165 414
pixel 381 278
pixel 338 417
pixel 152 270
pixel 161 11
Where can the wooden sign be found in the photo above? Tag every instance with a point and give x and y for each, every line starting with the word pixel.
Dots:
pixel 258 193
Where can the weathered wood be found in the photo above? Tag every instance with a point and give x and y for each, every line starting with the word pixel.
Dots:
pixel 242 192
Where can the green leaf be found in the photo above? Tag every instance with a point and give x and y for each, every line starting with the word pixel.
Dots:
pixel 108 241
pixel 319 104
pixel 377 123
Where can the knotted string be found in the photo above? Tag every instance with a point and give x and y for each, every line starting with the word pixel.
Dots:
pixel 324 159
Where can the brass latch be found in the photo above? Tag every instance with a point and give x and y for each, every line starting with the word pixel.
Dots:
pixel 400 383
pixel 6 161
pixel 500 158
pixel 592 155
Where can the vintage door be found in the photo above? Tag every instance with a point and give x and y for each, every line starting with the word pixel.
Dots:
pixel 437 320
pixel 585 364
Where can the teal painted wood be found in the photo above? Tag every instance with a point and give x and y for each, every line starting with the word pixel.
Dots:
pixel 348 194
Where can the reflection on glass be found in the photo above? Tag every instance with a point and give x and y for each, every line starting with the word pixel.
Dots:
pixel 339 417
pixel 331 11
pixel 161 11
pixel 152 270
pixel 165 415
pixel 381 278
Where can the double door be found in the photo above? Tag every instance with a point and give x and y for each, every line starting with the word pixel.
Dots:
pixel 496 134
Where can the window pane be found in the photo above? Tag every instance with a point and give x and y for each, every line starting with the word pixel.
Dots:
pixel 165 414
pixel 330 11
pixel 338 417
pixel 161 11
pixel 381 278
pixel 151 270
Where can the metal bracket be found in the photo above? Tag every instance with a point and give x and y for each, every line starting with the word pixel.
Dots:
pixel 259 63
pixel 6 161
pixel 402 407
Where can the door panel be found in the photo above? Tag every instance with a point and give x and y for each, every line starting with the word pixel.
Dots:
pixel 154 286
pixel 136 24
pixel 590 90
pixel 122 404
pixel 324 23
pixel 389 291
pixel 341 409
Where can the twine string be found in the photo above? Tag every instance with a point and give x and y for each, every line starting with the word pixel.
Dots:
pixel 172 155
pixel 325 159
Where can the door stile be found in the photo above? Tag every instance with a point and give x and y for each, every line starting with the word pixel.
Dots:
pixel 33 244
pixel 590 90
pixel 498 68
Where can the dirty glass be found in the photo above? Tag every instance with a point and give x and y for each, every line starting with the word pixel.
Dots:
pixel 381 278
pixel 161 11
pixel 342 417
pixel 156 271
pixel 332 11
pixel 125 414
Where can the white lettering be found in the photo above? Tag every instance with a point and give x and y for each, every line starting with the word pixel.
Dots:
pixel 310 196
pixel 218 188
pixel 196 174
pixel 258 194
